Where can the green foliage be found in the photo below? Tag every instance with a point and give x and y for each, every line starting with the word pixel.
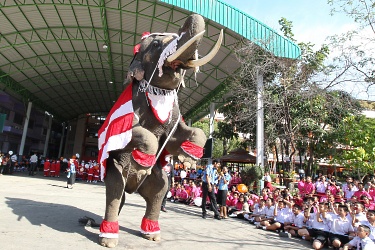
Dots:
pixel 286 28
pixel 355 136
pixel 221 132
pixel 250 174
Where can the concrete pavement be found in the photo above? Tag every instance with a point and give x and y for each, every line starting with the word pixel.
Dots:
pixel 40 213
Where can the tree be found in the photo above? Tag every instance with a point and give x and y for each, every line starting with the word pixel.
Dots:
pixel 222 132
pixel 355 148
pixel 297 109
pixel 355 49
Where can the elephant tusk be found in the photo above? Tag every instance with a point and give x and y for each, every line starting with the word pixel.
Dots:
pixel 209 56
pixel 181 50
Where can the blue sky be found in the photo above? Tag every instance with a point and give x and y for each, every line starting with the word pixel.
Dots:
pixel 311 19
pixel 312 22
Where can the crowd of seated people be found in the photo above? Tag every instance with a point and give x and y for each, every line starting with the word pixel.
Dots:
pixel 319 211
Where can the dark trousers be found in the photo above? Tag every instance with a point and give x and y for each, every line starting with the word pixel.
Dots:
pixel 32 168
pixel 166 194
pixel 212 197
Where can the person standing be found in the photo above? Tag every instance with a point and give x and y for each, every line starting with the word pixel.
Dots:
pixel 13 162
pixel 72 166
pixel 224 179
pixel 46 167
pixel 267 181
pixel 168 168
pixel 210 176
pixel 33 162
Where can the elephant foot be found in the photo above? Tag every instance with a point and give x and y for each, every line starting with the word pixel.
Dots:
pixel 152 237
pixel 150 229
pixel 108 242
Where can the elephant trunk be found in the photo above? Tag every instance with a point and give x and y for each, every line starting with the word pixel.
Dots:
pixel 193 30
pixel 186 54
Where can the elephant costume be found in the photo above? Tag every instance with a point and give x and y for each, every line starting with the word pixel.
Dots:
pixel 145 124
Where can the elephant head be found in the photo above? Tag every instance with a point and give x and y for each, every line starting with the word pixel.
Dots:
pixel 163 57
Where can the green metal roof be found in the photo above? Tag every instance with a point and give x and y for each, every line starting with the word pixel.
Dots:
pixel 241 23
pixel 51 52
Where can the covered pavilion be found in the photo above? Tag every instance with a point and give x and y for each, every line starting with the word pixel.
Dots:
pixel 70 57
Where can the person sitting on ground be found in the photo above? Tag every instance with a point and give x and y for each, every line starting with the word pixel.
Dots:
pixel 319 230
pixel 281 215
pixel 242 208
pixel 176 193
pixel 361 241
pixel 297 223
pixel 340 228
pixel 258 212
pixel 357 213
pixel 269 212
pixel 182 196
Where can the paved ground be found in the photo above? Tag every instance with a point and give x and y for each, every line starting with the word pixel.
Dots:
pixel 40 213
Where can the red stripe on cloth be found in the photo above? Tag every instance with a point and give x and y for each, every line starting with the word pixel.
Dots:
pixel 192 149
pixel 143 159
pixel 150 226
pixel 116 132
pixel 109 227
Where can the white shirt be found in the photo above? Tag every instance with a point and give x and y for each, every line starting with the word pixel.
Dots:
pixel 372 234
pixel 34 159
pixel 298 220
pixel 340 225
pixel 282 215
pixel 13 158
pixel 183 174
pixel 258 210
pixel 267 178
pixel 349 193
pixel 324 225
pixel 367 243
pixel 269 211
pixel 321 186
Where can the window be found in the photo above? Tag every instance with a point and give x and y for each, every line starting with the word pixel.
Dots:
pixel 31 124
pixel 18 118
pixel 6 111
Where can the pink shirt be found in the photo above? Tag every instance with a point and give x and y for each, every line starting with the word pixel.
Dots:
pixel 301 187
pixel 371 192
pixel 333 189
pixel 309 188
pixel 233 202
pixel 183 195
pixel 239 206
pixel 358 194
pixel 195 192
pixel 370 206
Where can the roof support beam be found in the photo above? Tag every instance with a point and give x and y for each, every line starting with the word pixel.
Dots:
pixel 103 15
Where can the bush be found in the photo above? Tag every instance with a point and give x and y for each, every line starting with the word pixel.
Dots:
pixel 250 174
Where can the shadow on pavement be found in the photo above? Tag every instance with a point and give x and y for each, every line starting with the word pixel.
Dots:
pixel 60 217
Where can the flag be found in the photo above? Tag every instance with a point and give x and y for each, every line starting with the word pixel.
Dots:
pixel 116 131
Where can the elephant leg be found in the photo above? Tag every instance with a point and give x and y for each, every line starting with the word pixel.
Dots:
pixel 187 143
pixel 125 171
pixel 115 185
pixel 153 191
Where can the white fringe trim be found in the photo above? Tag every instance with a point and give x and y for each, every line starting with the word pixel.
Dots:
pixel 108 235
pixel 169 50
pixel 150 233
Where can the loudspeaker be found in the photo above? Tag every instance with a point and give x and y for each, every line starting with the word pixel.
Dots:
pixel 207 150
